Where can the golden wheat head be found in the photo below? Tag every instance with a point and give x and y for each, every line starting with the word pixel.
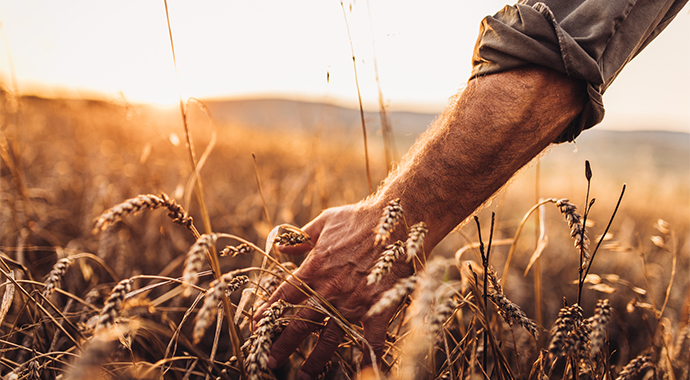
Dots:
pixel 138 203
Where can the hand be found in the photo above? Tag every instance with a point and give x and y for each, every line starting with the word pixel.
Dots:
pixel 497 125
pixel 337 270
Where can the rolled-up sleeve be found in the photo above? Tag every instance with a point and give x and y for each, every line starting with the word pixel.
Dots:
pixel 591 40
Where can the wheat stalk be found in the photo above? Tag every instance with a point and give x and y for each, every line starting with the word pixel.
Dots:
pixel 564 334
pixel 511 313
pixel 507 309
pixel 195 260
pixel 257 359
pixel 58 271
pixel 634 367
pixel 111 308
pixel 268 284
pixel 394 295
pixel 241 249
pixel 385 262
pixel 602 315
pixel 440 315
pixel 226 284
pixel 415 240
pixel 419 340
pixel 391 217
pixel 576 227
pixel 290 238
pixel 133 205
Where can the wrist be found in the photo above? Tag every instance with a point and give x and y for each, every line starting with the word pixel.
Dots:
pixel 439 213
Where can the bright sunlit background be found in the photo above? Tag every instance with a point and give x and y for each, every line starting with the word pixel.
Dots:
pixel 288 49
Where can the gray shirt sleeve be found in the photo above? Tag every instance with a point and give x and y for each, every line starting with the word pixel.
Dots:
pixel 591 40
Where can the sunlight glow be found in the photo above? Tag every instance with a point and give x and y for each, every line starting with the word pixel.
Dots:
pixel 286 49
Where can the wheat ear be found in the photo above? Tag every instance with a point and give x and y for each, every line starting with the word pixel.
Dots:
pixel 507 309
pixel 257 360
pixel 277 330
pixel 290 238
pixel 420 341
pixel 564 336
pixel 575 223
pixel 111 308
pixel 512 313
pixel 394 295
pixel 415 240
pixel 34 369
pixel 58 271
pixel 602 315
pixel 391 217
pixel 440 315
pixel 240 250
pixel 324 372
pixel 195 260
pixel 226 284
pixel 385 262
pixel 133 205
pixel 635 366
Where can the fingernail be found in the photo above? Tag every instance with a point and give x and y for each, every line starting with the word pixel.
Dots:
pixel 304 376
pixel 272 363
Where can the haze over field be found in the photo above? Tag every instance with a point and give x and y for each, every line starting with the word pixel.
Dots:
pixel 105 224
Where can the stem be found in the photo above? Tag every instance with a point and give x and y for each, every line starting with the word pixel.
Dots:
pixel 389 150
pixel 261 192
pixel 361 107
pixel 580 282
pixel 591 260
pixel 537 263
pixel 673 273
pixel 491 236
pixel 485 296
pixel 212 257
pixel 517 235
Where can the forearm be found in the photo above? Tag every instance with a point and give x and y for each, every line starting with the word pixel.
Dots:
pixel 496 126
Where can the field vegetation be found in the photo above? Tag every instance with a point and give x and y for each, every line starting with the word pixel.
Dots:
pixel 138 291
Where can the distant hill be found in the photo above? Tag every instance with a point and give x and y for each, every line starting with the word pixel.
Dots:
pixel 623 152
pixel 308 116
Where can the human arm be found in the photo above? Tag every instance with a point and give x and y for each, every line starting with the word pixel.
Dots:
pixel 496 126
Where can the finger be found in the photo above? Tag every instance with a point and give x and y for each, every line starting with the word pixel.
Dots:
pixel 328 342
pixel 375 329
pixel 294 250
pixel 313 229
pixel 304 322
pixel 288 291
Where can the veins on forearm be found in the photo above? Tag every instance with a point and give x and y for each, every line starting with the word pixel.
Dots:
pixel 496 126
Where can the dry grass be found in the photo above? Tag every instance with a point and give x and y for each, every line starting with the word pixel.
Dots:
pixel 82 305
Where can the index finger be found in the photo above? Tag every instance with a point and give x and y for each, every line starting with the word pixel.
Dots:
pixel 288 291
pixel 313 229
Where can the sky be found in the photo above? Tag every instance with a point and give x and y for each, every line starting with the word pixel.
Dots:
pixel 296 50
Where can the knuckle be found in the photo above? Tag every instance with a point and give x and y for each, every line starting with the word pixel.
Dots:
pixel 377 346
pixel 330 337
pixel 258 314
pixel 301 327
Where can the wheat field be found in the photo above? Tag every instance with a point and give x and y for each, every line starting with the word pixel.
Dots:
pixel 107 271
